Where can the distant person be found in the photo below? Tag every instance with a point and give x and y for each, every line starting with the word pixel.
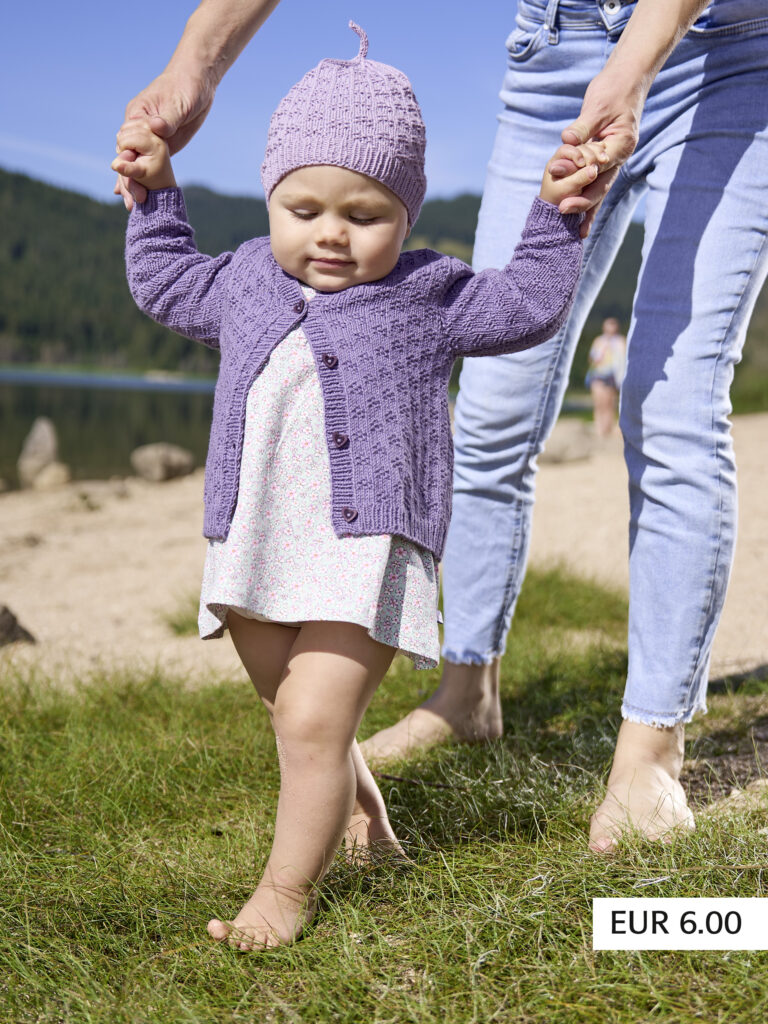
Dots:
pixel 325 520
pixel 607 362
pixel 678 96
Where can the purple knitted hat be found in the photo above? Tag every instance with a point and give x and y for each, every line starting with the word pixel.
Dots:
pixel 357 114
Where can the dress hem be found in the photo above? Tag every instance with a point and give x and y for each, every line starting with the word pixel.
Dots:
pixel 421 662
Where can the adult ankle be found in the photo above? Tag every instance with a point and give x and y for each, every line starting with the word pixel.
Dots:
pixel 467 685
pixel 663 746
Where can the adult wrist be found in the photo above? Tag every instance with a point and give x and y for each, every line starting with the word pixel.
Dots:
pixel 628 76
pixel 200 67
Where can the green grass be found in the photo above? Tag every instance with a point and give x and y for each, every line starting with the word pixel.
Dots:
pixel 182 620
pixel 134 809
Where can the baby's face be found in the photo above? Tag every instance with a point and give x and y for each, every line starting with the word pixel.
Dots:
pixel 332 228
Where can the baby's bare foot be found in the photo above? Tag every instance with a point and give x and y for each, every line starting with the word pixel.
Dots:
pixel 371 839
pixel 369 835
pixel 644 793
pixel 464 708
pixel 271 917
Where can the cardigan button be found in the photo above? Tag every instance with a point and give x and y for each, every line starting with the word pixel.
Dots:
pixel 339 439
pixel 330 361
pixel 299 307
pixel 350 514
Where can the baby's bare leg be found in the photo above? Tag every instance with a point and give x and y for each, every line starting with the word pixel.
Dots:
pixel 264 648
pixel 369 832
pixel 331 674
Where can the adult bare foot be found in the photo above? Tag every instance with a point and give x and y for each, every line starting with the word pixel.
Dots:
pixel 644 793
pixel 272 917
pixel 464 708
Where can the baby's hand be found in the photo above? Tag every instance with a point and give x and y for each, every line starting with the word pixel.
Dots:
pixel 143 156
pixel 570 171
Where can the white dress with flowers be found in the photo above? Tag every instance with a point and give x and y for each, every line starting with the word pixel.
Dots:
pixel 282 561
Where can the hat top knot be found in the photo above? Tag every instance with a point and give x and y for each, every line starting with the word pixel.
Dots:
pixel 363 51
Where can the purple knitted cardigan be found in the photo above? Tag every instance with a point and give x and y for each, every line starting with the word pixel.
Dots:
pixel 383 350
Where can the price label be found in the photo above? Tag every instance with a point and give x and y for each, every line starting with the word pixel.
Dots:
pixel 680 923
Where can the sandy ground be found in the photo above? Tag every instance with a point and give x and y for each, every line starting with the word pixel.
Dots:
pixel 92 570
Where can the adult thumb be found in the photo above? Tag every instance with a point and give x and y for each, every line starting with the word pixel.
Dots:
pixel 577 133
pixel 161 127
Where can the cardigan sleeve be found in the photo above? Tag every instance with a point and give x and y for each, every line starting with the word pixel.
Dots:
pixel 169 279
pixel 524 304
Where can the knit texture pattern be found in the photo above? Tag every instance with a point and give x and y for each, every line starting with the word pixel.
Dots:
pixel 357 114
pixel 383 350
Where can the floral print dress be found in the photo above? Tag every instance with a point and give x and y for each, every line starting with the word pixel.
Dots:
pixel 282 561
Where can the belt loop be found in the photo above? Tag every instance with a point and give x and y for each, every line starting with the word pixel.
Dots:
pixel 550 19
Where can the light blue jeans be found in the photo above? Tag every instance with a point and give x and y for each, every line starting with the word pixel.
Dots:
pixel 702 164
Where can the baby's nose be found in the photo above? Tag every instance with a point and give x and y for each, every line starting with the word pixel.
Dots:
pixel 331 230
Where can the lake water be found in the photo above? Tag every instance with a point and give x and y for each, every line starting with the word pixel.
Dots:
pixel 100 420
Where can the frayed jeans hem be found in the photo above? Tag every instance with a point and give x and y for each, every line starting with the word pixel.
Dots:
pixel 469 658
pixel 665 720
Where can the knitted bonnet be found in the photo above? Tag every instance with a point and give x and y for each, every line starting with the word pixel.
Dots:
pixel 357 114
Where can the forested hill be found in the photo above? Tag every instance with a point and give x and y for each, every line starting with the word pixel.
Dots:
pixel 63 294
pixel 64 300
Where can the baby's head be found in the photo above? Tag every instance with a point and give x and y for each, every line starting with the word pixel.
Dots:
pixel 344 172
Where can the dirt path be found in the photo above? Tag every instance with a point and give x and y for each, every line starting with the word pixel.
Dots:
pixel 93 569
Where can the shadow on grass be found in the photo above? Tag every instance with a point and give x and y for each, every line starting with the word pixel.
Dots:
pixel 561 712
pixel 560 705
pixel 739 681
pixel 725 759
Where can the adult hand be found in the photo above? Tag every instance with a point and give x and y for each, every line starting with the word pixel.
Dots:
pixel 175 104
pixel 610 114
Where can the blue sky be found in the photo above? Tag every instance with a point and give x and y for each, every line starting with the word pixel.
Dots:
pixel 67 71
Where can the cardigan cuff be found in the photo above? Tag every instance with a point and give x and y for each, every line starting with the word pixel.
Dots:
pixel 163 200
pixel 545 217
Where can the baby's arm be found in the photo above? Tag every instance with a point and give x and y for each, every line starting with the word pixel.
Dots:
pixel 143 156
pixel 524 304
pixel 169 279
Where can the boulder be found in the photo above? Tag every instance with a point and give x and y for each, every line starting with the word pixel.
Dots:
pixel 161 461
pixel 51 477
pixel 572 440
pixel 11 630
pixel 40 449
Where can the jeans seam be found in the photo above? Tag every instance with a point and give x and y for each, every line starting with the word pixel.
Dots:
pixel 707 611
pixel 754 25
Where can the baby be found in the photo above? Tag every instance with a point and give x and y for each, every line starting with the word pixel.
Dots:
pixel 328 479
